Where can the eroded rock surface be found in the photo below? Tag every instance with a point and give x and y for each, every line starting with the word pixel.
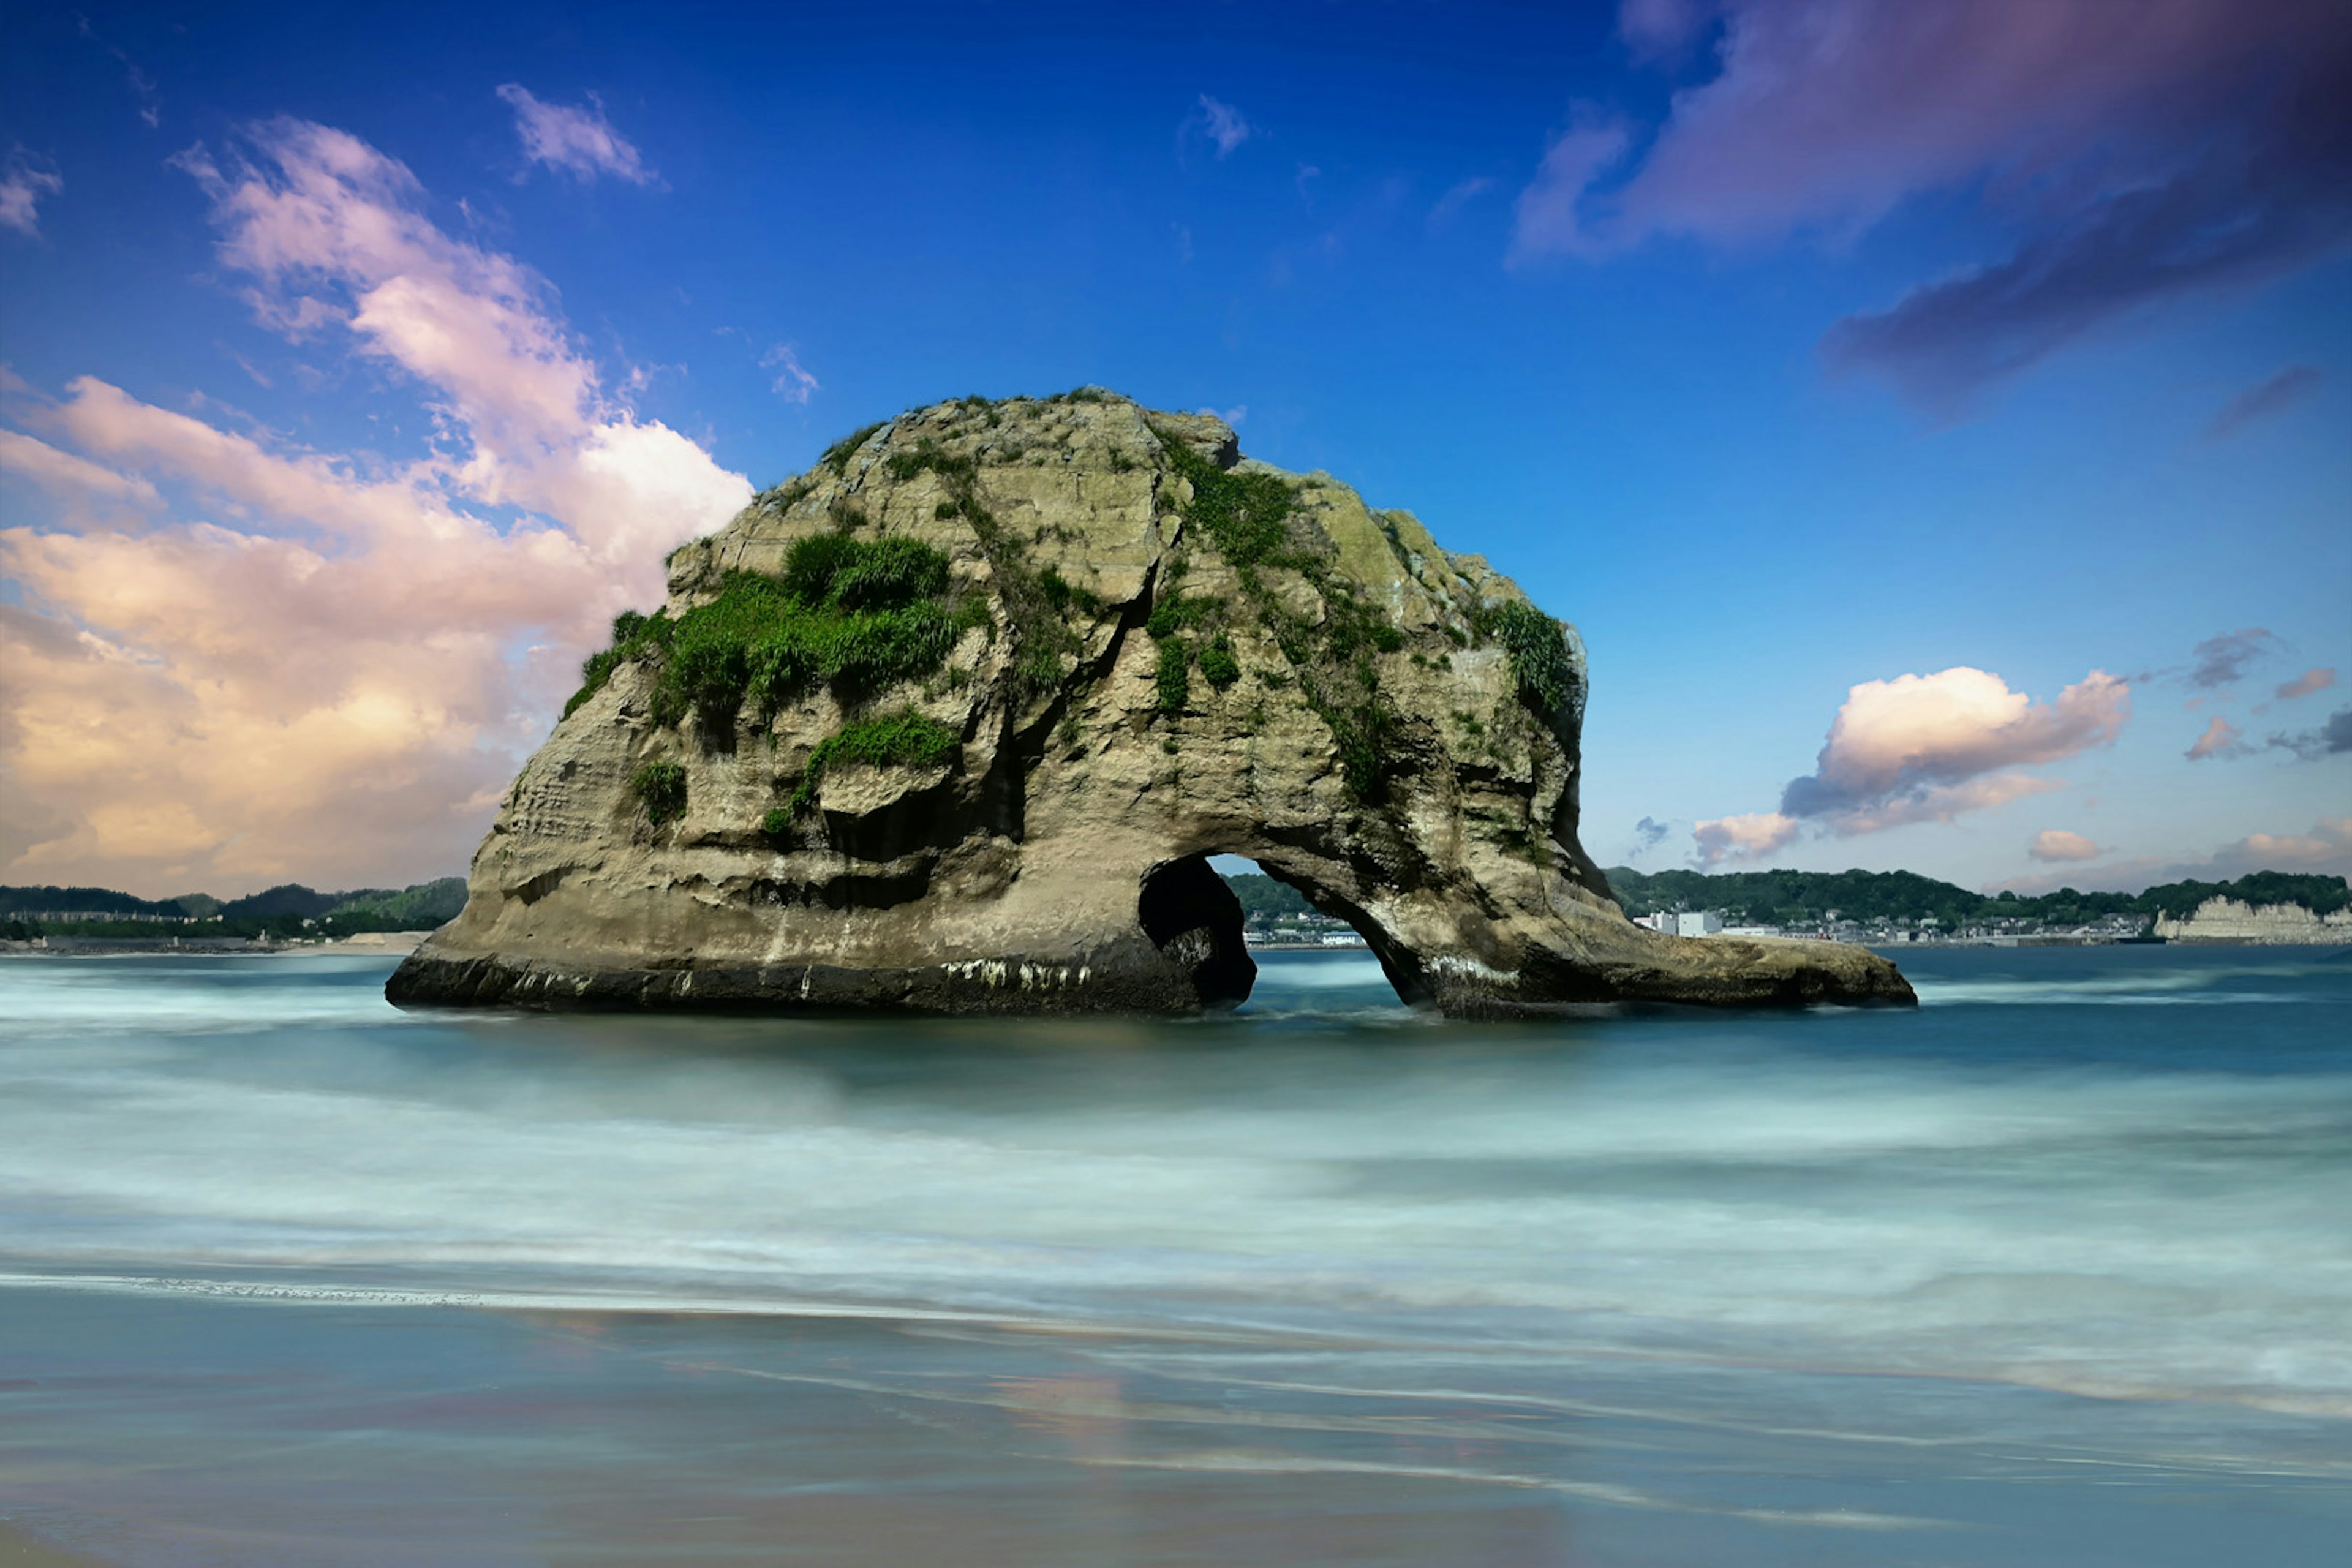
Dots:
pixel 1148 649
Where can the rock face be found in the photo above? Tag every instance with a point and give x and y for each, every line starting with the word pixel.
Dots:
pixel 2232 923
pixel 951 723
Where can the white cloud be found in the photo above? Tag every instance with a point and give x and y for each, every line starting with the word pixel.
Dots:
pixel 286 663
pixel 580 141
pixel 792 384
pixel 22 186
pixel 1926 748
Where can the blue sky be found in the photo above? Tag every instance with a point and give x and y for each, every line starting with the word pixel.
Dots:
pixel 1568 284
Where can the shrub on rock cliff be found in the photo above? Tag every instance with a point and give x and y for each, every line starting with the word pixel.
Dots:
pixel 1539 654
pixel 660 787
pixel 860 615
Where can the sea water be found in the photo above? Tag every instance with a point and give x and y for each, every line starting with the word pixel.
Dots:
pixel 2056 1270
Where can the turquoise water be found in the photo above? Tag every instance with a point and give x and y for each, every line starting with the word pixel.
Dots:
pixel 2056 1270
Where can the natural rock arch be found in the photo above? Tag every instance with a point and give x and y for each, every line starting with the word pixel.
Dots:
pixel 949 723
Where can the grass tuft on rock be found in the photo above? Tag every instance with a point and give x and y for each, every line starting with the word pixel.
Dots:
pixel 660 789
pixel 901 739
pixel 836 457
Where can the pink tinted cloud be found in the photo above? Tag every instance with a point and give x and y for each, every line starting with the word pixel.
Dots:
pixel 2219 740
pixel 2134 151
pixel 2316 678
pixel 288 663
pixel 63 474
pixel 2326 850
pixel 1752 837
pixel 578 141
pixel 2056 846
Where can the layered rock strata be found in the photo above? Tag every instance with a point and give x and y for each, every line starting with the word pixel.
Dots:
pixel 951 723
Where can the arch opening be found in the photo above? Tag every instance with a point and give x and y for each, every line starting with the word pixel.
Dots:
pixel 1194 918
pixel 1401 967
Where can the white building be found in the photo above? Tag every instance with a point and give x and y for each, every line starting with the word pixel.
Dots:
pixel 1705 922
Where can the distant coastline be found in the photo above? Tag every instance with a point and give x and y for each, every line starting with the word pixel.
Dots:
pixel 1888 909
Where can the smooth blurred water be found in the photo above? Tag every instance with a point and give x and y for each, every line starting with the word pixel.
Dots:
pixel 2056 1270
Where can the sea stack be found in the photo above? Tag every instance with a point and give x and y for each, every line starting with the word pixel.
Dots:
pixel 951 723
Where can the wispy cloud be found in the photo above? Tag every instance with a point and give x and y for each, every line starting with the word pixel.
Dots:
pixel 71 479
pixel 2264 400
pixel 2220 660
pixel 1648 834
pixel 1457 197
pixel 792 384
pixel 1226 127
pixel 578 141
pixel 1926 748
pixel 317 663
pixel 143 85
pixel 22 186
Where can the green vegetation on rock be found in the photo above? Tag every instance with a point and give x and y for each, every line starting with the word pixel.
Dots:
pixel 660 789
pixel 1538 656
pixel 858 615
pixel 633 637
pixel 1247 517
pixel 1174 679
pixel 902 739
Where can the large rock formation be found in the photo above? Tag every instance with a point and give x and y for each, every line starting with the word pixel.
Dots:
pixel 950 723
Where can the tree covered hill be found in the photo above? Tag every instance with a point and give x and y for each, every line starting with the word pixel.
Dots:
pixel 276 912
pixel 1797 898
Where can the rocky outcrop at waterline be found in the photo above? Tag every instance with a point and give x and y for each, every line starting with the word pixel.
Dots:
pixel 950 723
